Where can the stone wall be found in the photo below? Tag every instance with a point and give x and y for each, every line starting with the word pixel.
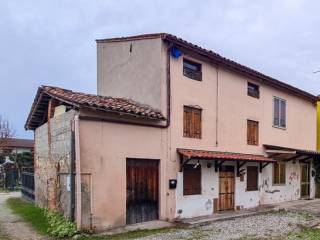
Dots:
pixel 53 153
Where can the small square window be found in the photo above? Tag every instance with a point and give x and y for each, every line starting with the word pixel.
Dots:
pixel 192 70
pixel 253 90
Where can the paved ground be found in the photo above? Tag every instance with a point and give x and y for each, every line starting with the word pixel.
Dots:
pixel 310 206
pixel 267 226
pixel 13 225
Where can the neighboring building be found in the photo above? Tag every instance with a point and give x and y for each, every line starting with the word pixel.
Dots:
pixel 16 145
pixel 202 134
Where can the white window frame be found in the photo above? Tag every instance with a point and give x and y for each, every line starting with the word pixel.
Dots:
pixel 278 125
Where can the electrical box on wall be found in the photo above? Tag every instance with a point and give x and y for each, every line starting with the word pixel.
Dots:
pixel 172 183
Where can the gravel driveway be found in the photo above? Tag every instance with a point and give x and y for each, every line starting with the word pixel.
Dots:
pixel 254 227
pixel 12 225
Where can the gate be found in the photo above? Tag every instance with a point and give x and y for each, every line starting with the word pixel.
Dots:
pixel 27 185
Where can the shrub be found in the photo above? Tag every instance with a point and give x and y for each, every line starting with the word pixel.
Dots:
pixel 59 226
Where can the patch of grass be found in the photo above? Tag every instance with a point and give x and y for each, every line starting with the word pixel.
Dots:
pixel 130 235
pixel 306 234
pixel 3 190
pixel 33 215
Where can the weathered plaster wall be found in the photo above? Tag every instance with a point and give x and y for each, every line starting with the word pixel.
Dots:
pixel 224 127
pixel 198 205
pixel 105 146
pixel 201 205
pixel 226 107
pixel 134 70
pixel 267 193
pixel 270 193
pixel 52 163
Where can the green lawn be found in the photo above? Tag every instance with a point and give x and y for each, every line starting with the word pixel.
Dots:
pixel 31 214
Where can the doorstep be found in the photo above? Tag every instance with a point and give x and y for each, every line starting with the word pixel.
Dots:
pixel 227 215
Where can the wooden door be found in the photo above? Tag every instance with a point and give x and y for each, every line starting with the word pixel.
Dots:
pixel 142 190
pixel 305 181
pixel 226 188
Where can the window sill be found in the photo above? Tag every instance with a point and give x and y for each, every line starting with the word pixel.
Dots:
pixel 187 195
pixel 253 96
pixel 282 128
pixel 279 184
pixel 192 137
pixel 252 190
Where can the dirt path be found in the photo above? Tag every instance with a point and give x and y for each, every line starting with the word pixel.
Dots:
pixel 12 225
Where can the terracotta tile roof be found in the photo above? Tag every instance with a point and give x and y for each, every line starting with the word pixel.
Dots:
pixel 298 151
pixel 17 143
pixel 217 58
pixel 201 154
pixel 95 102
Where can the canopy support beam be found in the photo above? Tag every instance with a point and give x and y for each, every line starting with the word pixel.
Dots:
pixel 217 165
pixel 262 166
pixel 239 166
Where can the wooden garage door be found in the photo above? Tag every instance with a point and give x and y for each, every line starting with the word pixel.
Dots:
pixel 226 188
pixel 142 190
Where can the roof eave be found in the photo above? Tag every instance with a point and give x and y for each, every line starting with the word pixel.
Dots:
pixel 241 68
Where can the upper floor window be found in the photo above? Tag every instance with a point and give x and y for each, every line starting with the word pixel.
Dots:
pixel 191 122
pixel 253 90
pixel 279 112
pixel 192 69
pixel 252 132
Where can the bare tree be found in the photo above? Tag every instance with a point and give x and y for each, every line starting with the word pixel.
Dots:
pixel 6 132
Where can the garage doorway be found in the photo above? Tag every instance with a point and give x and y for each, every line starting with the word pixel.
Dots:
pixel 142 190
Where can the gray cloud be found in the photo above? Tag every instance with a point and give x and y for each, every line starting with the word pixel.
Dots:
pixel 52 42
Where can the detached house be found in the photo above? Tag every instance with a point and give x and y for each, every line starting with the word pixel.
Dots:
pixel 175 131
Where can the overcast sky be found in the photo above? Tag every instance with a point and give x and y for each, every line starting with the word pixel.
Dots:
pixel 53 42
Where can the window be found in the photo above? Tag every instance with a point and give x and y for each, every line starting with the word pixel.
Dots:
pixel 279 173
pixel 192 70
pixel 252 132
pixel 252 178
pixel 192 122
pixel 253 90
pixel 191 179
pixel 279 112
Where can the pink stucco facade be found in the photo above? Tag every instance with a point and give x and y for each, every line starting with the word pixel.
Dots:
pixel 222 95
pixel 142 69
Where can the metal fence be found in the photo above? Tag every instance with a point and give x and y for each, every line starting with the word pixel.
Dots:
pixel 27 185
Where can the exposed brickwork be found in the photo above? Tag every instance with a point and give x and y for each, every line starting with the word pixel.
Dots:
pixel 52 163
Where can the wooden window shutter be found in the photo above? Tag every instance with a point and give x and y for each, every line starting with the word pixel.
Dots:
pixel 282 173
pixel 185 123
pixel 197 123
pixel 252 178
pixel 252 132
pixel 279 173
pixel 191 122
pixel 191 180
